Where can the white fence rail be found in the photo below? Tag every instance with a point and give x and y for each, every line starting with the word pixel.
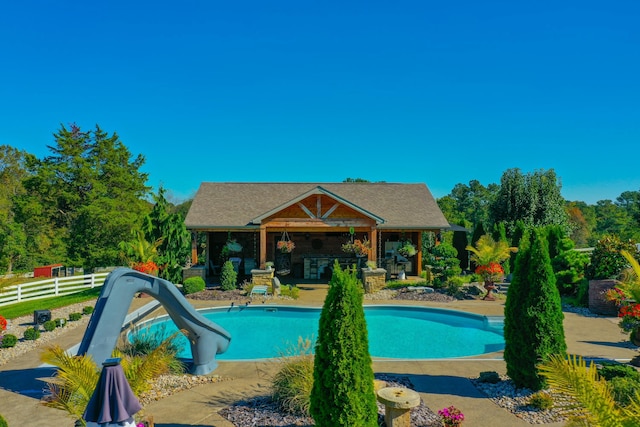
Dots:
pixel 56 286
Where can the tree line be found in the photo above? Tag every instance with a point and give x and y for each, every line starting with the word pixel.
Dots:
pixel 535 198
pixel 77 205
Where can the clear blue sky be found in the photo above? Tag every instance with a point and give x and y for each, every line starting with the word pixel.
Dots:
pixel 404 91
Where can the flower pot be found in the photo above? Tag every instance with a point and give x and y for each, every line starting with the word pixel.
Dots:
pixel 489 286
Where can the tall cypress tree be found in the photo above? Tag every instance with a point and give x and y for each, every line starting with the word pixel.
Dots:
pixel 516 331
pixel 342 393
pixel 533 313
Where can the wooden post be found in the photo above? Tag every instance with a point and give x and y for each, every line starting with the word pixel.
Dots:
pixel 419 254
pixel 373 255
pixel 194 247
pixel 263 245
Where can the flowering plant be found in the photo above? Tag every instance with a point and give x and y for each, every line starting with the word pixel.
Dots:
pixel 286 246
pixel 490 272
pixel 630 317
pixel 451 416
pixel 148 267
pixel 357 247
pixel 3 323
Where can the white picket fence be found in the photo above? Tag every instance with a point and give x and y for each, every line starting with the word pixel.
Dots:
pixel 56 286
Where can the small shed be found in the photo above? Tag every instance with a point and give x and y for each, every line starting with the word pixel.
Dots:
pixel 53 270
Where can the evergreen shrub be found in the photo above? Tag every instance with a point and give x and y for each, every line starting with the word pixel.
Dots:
pixel 533 327
pixel 606 260
pixel 193 285
pixel 49 325
pixel 31 334
pixel 623 389
pixel 60 322
pixel 3 422
pixel 8 340
pixel 228 277
pixel 343 392
pixel 75 316
pixel 490 377
pixel 87 310
pixel 610 370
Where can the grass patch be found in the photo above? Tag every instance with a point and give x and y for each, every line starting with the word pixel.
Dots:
pixel 28 307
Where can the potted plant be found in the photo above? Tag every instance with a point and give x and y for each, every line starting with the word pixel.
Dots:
pixel 268 265
pixel 488 255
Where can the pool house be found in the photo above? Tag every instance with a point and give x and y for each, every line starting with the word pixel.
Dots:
pixel 302 228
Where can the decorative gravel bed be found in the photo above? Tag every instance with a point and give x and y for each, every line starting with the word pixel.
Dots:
pixel 506 395
pixel 264 412
pixel 18 325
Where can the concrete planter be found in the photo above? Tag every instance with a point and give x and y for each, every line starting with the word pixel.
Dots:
pixel 598 302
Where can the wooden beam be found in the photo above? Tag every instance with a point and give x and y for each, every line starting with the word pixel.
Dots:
pixel 318 205
pixel 330 211
pixel 318 223
pixel 306 210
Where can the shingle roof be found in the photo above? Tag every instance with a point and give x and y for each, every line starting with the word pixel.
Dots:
pixel 230 205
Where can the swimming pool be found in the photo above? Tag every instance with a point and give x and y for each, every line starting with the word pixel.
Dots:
pixel 395 332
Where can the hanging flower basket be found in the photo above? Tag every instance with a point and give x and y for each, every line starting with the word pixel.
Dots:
pixel 359 248
pixel 285 244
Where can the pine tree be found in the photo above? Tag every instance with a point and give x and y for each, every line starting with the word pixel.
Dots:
pixel 343 394
pixel 533 313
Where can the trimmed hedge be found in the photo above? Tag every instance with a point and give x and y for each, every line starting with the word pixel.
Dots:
pixel 193 285
pixel 49 325
pixel 31 334
pixel 8 340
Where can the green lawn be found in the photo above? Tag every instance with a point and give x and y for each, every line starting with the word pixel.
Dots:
pixel 28 307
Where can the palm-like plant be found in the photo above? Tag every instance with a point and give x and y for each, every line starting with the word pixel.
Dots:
pixel 73 385
pixel 77 376
pixel 487 251
pixel 594 403
pixel 631 283
pixel 139 249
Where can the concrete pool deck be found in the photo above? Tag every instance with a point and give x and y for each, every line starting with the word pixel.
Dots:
pixel 440 383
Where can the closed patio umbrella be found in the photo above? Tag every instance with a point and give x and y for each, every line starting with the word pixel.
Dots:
pixel 113 403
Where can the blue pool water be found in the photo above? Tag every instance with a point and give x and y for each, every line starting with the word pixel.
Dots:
pixel 396 332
